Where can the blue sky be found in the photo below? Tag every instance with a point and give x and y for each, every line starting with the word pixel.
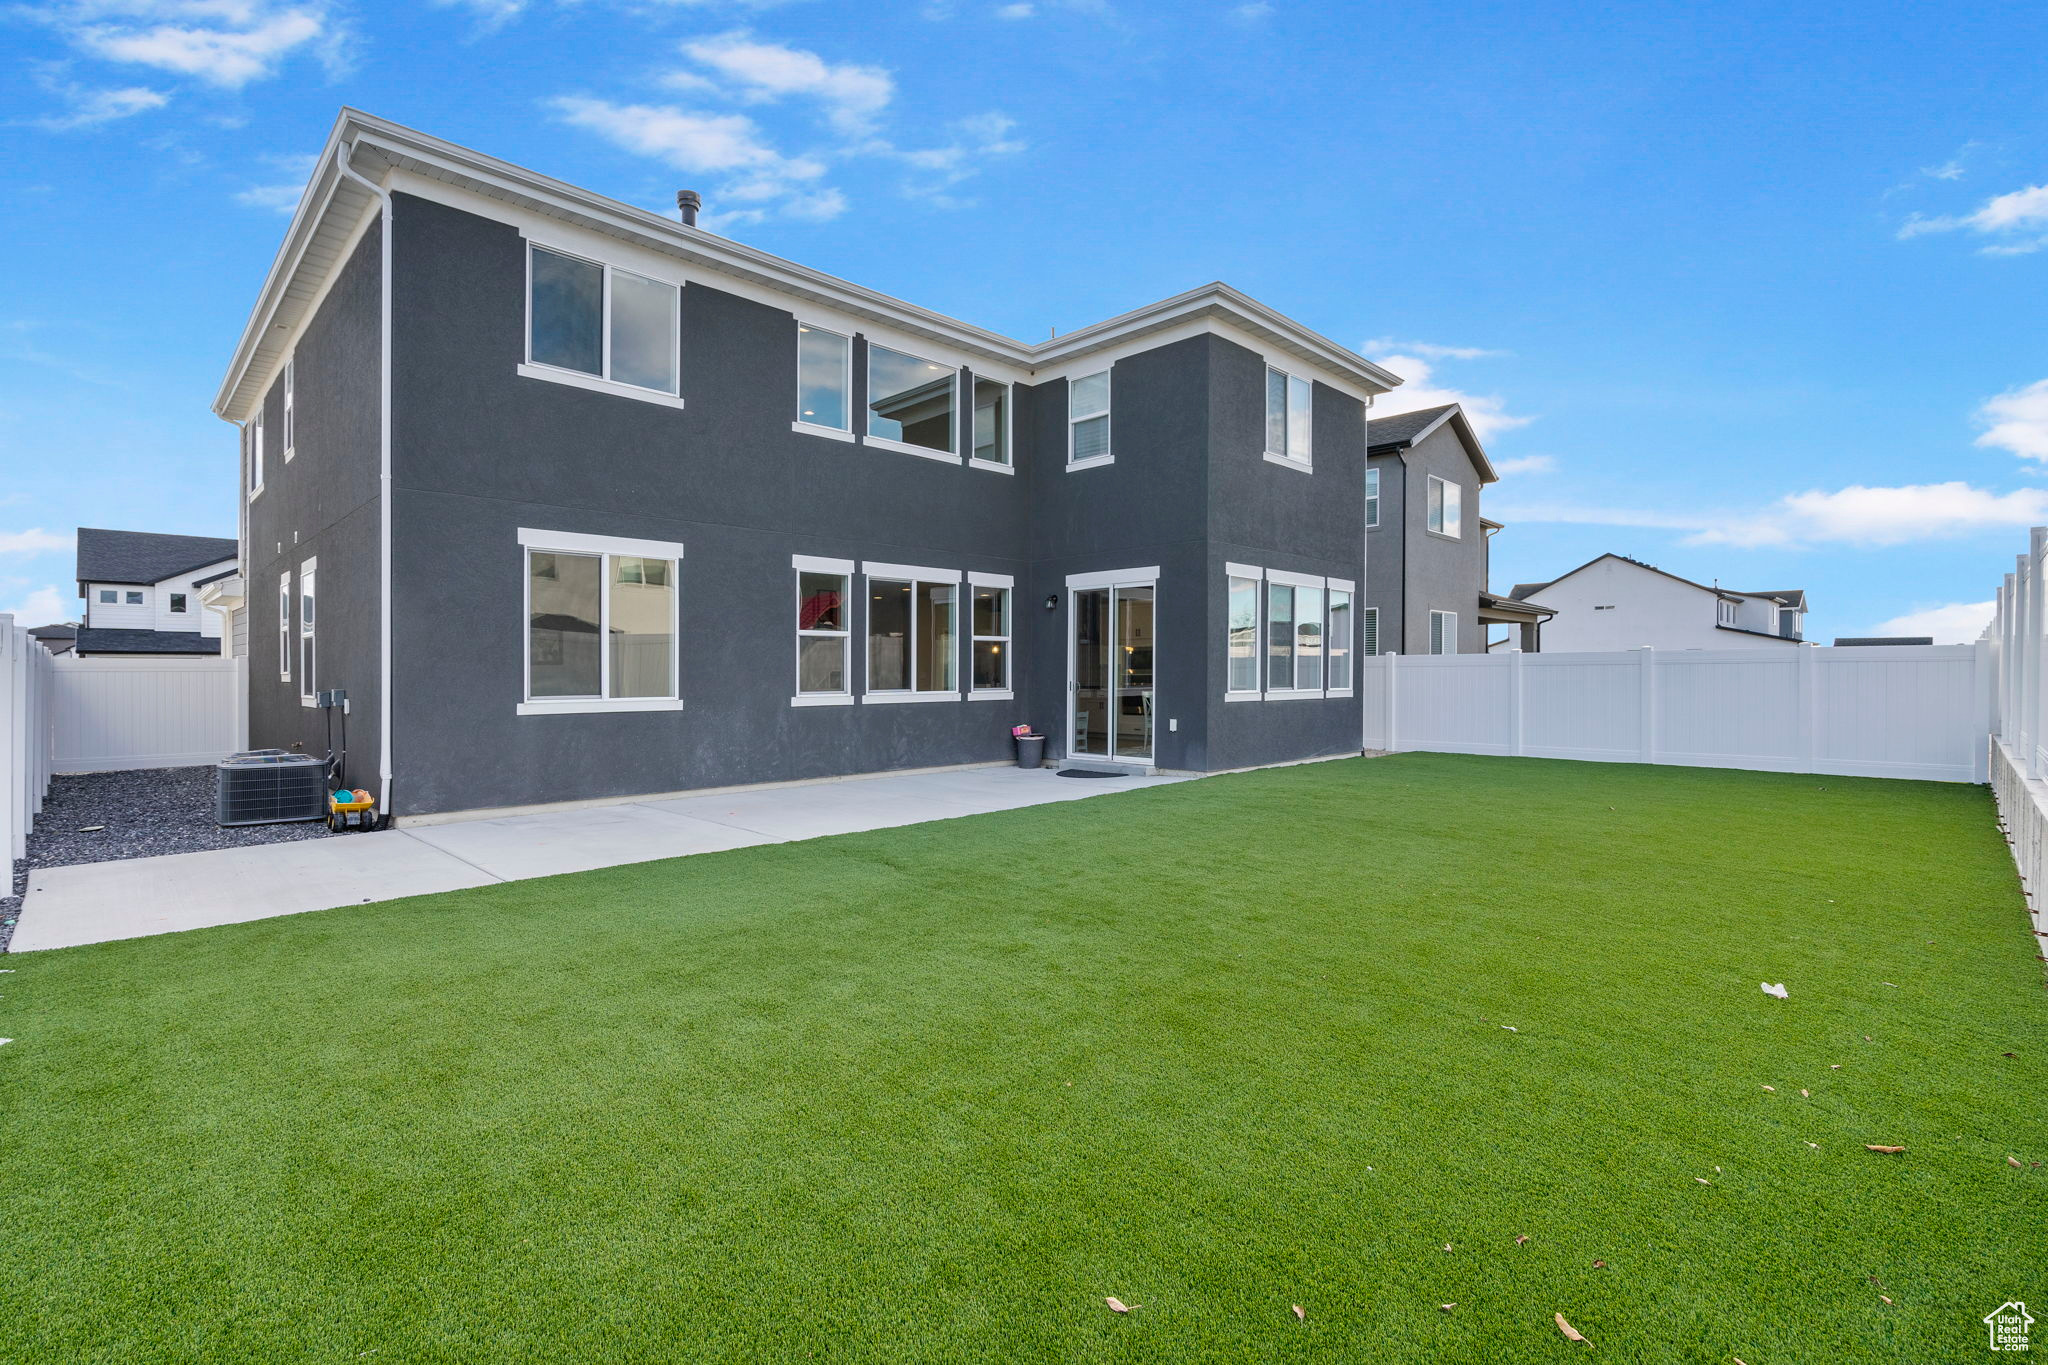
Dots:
pixel 1753 292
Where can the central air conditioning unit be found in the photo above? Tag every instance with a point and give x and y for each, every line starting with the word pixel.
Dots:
pixel 269 787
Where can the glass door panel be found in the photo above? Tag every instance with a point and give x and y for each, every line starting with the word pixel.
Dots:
pixel 1133 659
pixel 1091 689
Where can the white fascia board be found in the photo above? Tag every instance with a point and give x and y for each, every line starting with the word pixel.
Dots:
pixel 1110 578
pixel 815 564
pixel 1243 570
pixel 1295 580
pixel 977 579
pixel 572 542
pixel 909 572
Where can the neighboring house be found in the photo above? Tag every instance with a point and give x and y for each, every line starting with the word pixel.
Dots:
pixel 576 501
pixel 1429 548
pixel 57 639
pixel 141 592
pixel 1614 602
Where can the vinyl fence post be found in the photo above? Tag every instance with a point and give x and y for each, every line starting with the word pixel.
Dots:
pixel 13 707
pixel 1984 689
pixel 1809 706
pixel 1647 696
pixel 1515 709
pixel 2030 666
pixel 1393 703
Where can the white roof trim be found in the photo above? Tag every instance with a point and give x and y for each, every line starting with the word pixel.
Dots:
pixel 333 207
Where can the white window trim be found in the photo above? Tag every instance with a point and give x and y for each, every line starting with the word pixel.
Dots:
pixel 1258 576
pixel 1443 502
pixel 1287 579
pixel 1450 631
pixel 1107 414
pixel 1008 583
pixel 804 424
pixel 577 543
pixel 1372 498
pixel 291 426
pixel 1115 578
pixel 529 368
pixel 891 443
pixel 912 574
pixel 256 455
pixel 799 566
pixel 1343 585
pixel 284 626
pixel 308 575
pixel 1009 425
pixel 1306 464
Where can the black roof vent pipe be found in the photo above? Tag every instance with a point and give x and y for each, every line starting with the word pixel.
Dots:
pixel 688 202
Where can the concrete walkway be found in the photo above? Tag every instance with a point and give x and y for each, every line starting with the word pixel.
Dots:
pixel 94 902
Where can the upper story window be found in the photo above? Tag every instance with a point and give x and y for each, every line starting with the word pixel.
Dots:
pixel 1445 498
pixel 910 402
pixel 991 422
pixel 135 598
pixel 1088 419
pixel 601 623
pixel 307 598
pixel 824 378
pixel 284 627
pixel 597 320
pixel 1724 611
pixel 290 424
pixel 1788 622
pixel 1289 420
pixel 177 604
pixel 108 597
pixel 255 439
pixel 1372 497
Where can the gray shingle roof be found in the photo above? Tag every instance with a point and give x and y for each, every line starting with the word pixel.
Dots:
pixel 99 641
pixel 1384 431
pixel 1522 590
pixel 144 556
pixel 1791 597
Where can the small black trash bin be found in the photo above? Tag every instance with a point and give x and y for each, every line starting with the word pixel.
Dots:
pixel 1031 751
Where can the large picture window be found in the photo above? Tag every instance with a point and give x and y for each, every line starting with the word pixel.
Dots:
pixel 913 633
pixel 1289 408
pixel 1444 499
pixel 1088 418
pixel 600 321
pixel 824 378
pixel 1294 633
pixel 911 401
pixel 600 623
pixel 824 629
pixel 989 641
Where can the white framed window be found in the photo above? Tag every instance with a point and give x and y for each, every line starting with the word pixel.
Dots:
pixel 596 326
pixel 913 633
pixel 601 623
pixel 177 607
pixel 911 404
pixel 135 597
pixel 1290 409
pixel 1445 498
pixel 824 382
pixel 1443 632
pixel 1241 631
pixel 988 648
pixel 1337 639
pixel 255 439
pixel 1369 631
pixel 1725 611
pixel 824 631
pixel 290 423
pixel 284 627
pixel 991 444
pixel 308 619
pixel 1088 420
pixel 1294 633
pixel 1372 497
pixel 1788 622
pixel 109 597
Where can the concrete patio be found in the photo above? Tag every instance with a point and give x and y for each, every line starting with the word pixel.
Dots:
pixel 95 902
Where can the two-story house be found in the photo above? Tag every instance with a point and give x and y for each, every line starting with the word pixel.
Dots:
pixel 142 591
pixel 1431 551
pixel 578 501
pixel 1614 602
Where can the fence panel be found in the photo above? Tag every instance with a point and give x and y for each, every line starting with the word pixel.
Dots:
pixel 107 714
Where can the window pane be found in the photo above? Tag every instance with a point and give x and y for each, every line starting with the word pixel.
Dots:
pixel 568 312
pixel 1279 636
pixel 643 332
pixel 910 400
pixel 888 637
pixel 821 663
pixel 1276 411
pixel 134 599
pixel 1088 395
pixel 821 395
pixel 1436 503
pixel 937 643
pixel 178 602
pixel 991 611
pixel 1308 637
pixel 563 623
pixel 821 601
pixel 1452 493
pixel 1244 635
pixel 991 665
pixel 1372 497
pixel 991 421
pixel 1300 416
pixel 643 632
pixel 1091 438
pixel 1337 644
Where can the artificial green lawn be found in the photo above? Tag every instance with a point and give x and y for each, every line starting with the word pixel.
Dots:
pixel 1216 1049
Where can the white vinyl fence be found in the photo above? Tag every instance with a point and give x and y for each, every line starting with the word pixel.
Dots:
pixel 26 669
pixel 140 712
pixel 1914 711
pixel 2019 717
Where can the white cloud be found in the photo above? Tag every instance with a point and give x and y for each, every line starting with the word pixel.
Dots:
pixel 2017 420
pixel 34 542
pixel 2020 211
pixel 1486 412
pixel 1856 515
pixel 852 96
pixel 224 43
pixel 1017 11
pixel 1957 623
pixel 282 197
pixel 1526 464
pixel 45 606
pixel 1430 350
pixel 1251 13
pixel 90 108
pixel 699 143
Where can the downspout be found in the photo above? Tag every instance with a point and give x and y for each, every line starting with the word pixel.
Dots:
pixel 341 164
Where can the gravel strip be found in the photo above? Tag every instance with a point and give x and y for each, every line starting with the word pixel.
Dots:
pixel 146 812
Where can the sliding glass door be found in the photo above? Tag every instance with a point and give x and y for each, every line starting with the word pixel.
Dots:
pixel 1111 663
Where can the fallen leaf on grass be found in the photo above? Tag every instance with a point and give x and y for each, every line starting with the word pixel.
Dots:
pixel 2014 1055
pixel 1118 1306
pixel 1599 1265
pixel 1886 1297
pixel 1814 1145
pixel 1875 1147
pixel 1772 1088
pixel 1836 1067
pixel 1510 1028
pixel 1571 1333
pixel 1703 1180
pixel 1445 1307
pixel 1300 1313
pixel 1447 1246
pixel 2013 1162
pixel 1521 1237
pixel 1805 1093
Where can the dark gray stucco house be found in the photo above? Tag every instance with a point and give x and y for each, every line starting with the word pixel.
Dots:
pixel 1430 547
pixel 576 501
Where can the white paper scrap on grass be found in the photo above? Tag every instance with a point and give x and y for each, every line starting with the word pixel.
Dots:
pixel 1777 990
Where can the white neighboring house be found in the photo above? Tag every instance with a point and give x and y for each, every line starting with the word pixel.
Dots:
pixel 142 593
pixel 1615 602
